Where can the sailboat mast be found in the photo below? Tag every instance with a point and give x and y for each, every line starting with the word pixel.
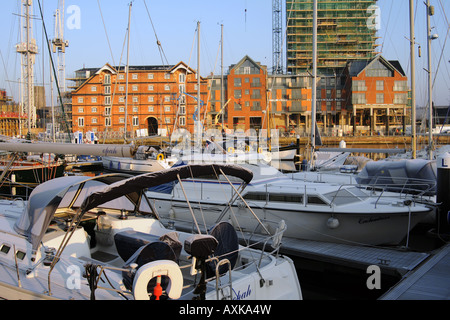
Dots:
pixel 413 80
pixel 314 84
pixel 430 87
pixel 126 73
pixel 198 86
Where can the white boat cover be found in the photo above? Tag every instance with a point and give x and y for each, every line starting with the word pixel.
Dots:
pixel 97 191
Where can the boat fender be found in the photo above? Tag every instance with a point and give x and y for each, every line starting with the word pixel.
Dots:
pixel 332 223
pixel 153 269
pixel 230 150
pixel 260 150
pixel 160 156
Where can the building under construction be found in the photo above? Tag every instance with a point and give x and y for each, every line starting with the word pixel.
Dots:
pixel 346 31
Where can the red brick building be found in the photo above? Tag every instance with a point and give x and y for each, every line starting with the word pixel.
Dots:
pixel 376 94
pixel 160 99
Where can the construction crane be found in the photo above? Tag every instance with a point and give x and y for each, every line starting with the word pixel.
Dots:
pixel 59 45
pixel 277 40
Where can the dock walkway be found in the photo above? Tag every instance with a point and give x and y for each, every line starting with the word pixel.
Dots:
pixel 431 281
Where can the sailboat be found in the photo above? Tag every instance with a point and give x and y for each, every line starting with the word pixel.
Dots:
pixel 101 238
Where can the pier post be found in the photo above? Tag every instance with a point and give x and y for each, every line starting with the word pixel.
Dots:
pixel 442 192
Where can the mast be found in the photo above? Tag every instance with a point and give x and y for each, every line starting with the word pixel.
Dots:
pixel 28 49
pixel 126 73
pixel 197 125
pixel 314 84
pixel 413 80
pixel 222 98
pixel 59 45
pixel 430 12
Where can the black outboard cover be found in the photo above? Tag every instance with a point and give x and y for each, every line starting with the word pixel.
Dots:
pixel 227 248
pixel 200 245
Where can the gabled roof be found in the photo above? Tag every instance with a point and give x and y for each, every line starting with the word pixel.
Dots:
pixel 356 67
pixel 244 59
pixel 107 67
pixel 182 65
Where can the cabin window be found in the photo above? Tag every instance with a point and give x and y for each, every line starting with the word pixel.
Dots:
pixel 20 255
pixel 255 196
pixel 315 200
pixel 5 249
pixel 297 198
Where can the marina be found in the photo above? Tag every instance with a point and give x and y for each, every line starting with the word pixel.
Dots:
pixel 315 180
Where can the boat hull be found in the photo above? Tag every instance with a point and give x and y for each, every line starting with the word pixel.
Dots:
pixel 361 228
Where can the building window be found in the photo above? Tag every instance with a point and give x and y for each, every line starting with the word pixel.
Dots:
pixel 134 76
pixel 182 109
pixel 81 110
pixel 237 106
pixel 108 122
pixel 358 98
pixel 121 99
pixel 107 89
pixel 94 99
pixel 94 109
pixel 182 78
pixel 135 99
pixel 135 121
pixel 149 75
pixel 107 79
pixel 150 108
pixel 80 100
pixel 107 101
pixel 94 120
pixel 150 99
pixel 400 98
pixel 380 97
pixel 380 85
pixel 121 76
pixel 237 82
pixel 256 106
pixel 81 122
pixel 121 88
pixel 256 94
pixel 400 86
pixel 237 94
pixel 94 88
pixel 166 98
pixel 167 109
pixel 107 111
pixel 150 87
pixel 167 120
pixel 121 109
pixel 167 76
pixel 135 109
pixel 182 121
pixel 134 88
pixel 359 85
pixel 167 87
pixel 121 120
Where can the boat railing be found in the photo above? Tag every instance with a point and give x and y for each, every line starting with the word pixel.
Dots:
pixel 16 189
pixel 402 192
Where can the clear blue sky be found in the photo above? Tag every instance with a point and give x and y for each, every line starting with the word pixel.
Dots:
pixel 247 31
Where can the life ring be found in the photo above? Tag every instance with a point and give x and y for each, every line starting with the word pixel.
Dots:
pixel 247 148
pixel 260 150
pixel 160 156
pixel 153 269
pixel 230 150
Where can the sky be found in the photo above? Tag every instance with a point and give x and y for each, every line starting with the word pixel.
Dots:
pixel 96 31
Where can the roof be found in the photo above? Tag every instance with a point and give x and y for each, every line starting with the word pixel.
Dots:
pixel 357 66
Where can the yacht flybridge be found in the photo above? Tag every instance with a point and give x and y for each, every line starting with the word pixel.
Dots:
pixel 100 238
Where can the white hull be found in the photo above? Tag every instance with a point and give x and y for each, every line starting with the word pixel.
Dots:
pixel 134 166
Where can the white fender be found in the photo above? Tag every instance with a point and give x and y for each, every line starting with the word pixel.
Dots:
pixel 158 268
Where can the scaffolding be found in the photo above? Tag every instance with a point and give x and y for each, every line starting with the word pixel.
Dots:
pixel 343 34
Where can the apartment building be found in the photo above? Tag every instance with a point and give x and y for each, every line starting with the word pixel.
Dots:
pixel 346 31
pixel 157 100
